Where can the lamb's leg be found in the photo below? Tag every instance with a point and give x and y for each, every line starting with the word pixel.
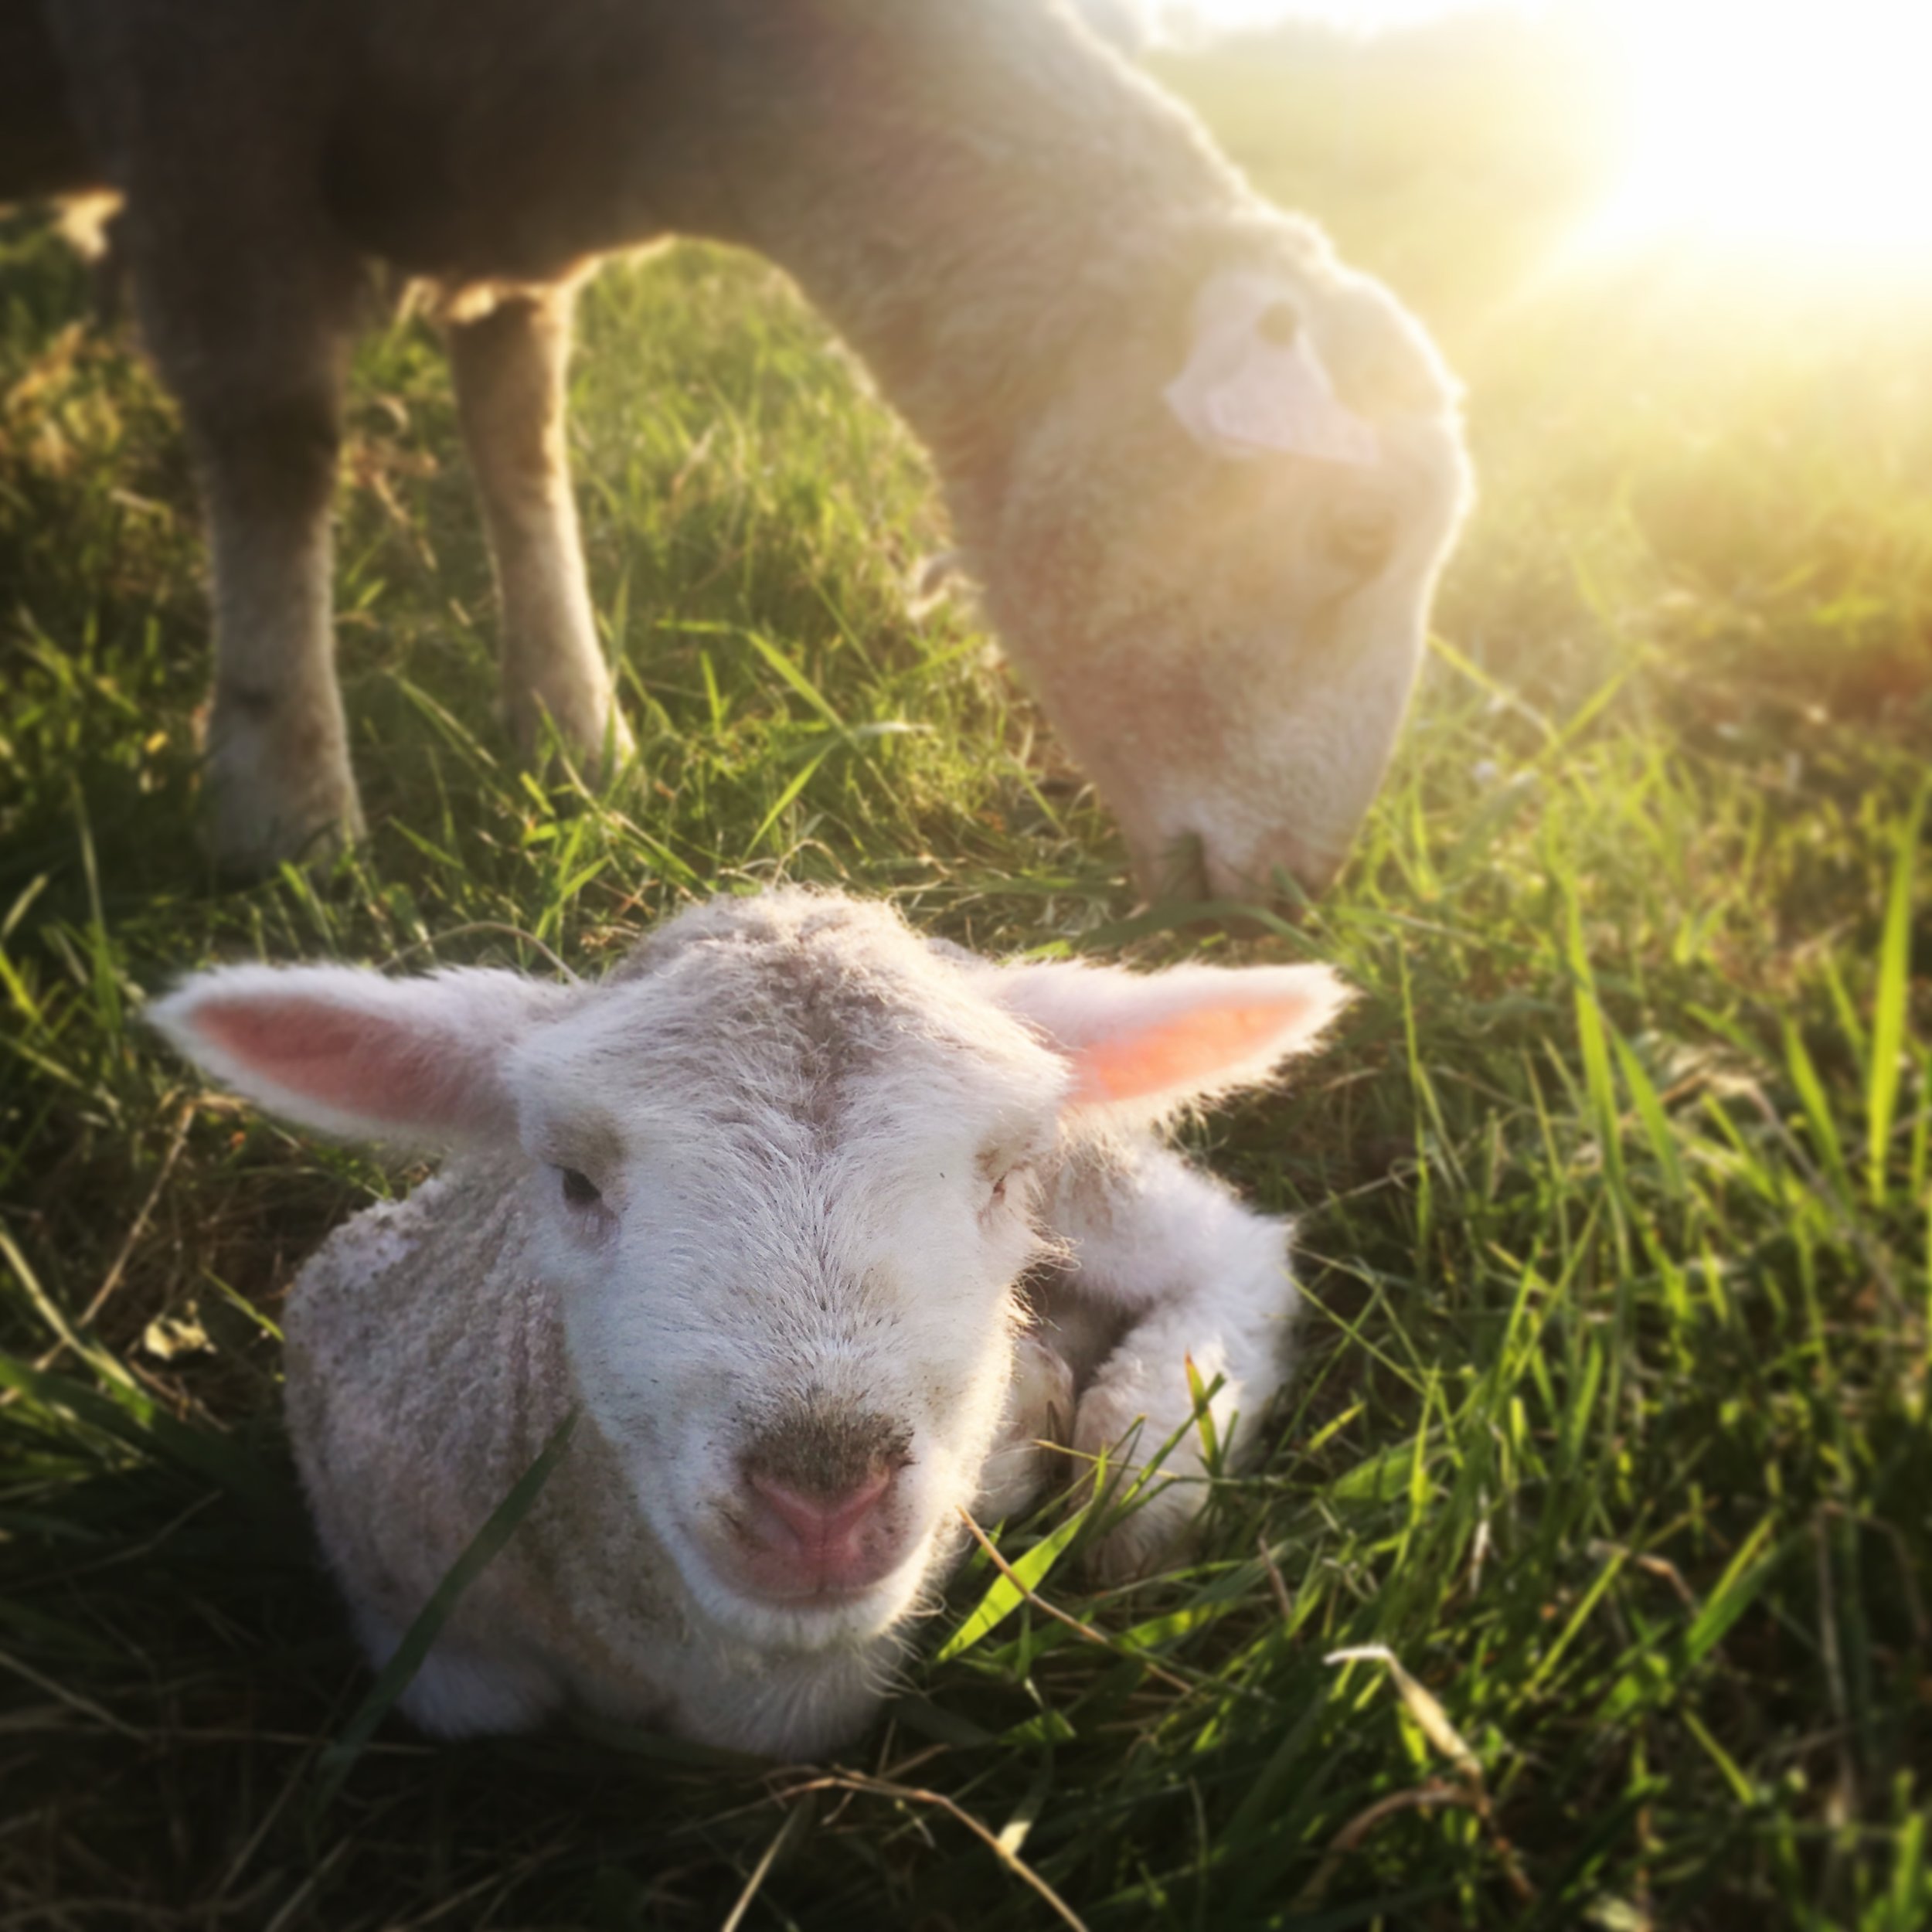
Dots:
pixel 247 315
pixel 509 368
pixel 1039 1412
pixel 1203 1280
pixel 461 1691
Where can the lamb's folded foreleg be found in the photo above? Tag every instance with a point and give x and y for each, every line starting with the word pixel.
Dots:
pixel 1038 1415
pixel 1200 1279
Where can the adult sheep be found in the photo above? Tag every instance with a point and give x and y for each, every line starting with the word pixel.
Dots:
pixel 1204 474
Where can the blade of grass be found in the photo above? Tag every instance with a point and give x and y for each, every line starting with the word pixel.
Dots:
pixel 1889 1020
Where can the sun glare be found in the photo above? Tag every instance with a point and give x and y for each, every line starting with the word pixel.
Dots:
pixel 1799 128
pixel 1785 123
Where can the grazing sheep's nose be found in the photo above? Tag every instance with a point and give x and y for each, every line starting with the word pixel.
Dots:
pixel 1312 873
pixel 799 1540
pixel 1280 874
pixel 1192 868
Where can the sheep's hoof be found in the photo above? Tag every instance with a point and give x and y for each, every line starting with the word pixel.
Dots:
pixel 276 795
pixel 579 716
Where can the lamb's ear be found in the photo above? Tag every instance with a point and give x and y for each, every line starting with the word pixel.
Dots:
pixel 1147 1042
pixel 414 1061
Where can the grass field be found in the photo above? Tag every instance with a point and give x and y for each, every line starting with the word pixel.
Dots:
pixel 1612 1424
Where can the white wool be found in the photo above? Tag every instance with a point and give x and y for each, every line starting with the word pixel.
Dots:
pixel 810 1158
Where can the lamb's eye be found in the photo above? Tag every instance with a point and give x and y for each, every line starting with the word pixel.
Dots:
pixel 578 1189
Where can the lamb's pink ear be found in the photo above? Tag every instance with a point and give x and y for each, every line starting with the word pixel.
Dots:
pixel 1147 1042
pixel 416 1060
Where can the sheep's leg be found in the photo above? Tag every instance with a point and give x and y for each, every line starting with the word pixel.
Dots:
pixel 1202 1281
pixel 251 334
pixel 509 368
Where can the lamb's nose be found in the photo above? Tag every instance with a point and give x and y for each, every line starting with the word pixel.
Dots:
pixel 820 1510
pixel 800 1542
pixel 819 1523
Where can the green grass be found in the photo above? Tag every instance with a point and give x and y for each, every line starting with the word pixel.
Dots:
pixel 1612 1426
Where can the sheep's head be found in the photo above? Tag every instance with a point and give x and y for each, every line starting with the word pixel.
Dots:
pixel 1213 555
pixel 778 1173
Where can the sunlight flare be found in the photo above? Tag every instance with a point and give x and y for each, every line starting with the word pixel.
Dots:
pixel 1791 126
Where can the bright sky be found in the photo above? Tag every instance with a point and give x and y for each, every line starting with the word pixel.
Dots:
pixel 1794 124
pixel 1368 15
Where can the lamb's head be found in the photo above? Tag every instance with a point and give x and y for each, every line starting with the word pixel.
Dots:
pixel 778 1173
pixel 1215 551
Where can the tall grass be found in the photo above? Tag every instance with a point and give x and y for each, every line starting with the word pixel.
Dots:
pixel 1585 1579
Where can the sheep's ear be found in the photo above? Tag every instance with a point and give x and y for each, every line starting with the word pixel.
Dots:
pixel 415 1060
pixel 1149 1042
pixel 1253 384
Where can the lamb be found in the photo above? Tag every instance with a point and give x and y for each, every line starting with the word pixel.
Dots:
pixel 1204 474
pixel 824 1231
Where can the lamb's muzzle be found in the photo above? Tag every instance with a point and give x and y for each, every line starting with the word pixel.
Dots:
pixel 758 1207
pixel 819 1519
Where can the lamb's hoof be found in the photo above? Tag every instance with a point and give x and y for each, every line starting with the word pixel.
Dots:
pixel 1160 1533
pixel 454 1695
pixel 1160 1528
pixel 460 1692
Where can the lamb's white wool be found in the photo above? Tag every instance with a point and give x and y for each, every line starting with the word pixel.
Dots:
pixel 758 1206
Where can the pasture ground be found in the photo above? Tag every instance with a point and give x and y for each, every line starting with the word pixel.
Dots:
pixel 1612 1424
